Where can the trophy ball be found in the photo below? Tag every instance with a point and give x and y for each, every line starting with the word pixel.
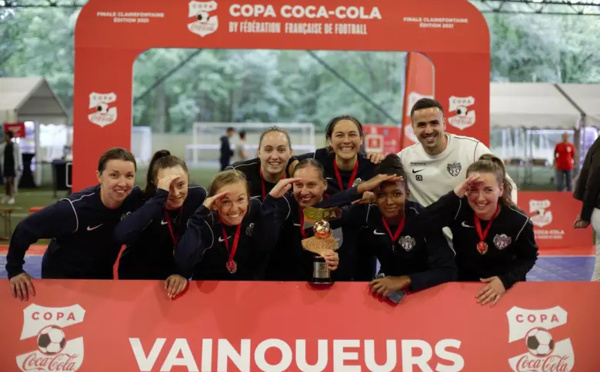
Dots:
pixel 322 229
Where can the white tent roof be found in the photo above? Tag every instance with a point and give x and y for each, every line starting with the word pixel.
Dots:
pixel 30 98
pixel 530 105
pixel 587 97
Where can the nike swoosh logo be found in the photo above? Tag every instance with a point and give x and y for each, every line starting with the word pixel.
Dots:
pixel 464 224
pixel 89 228
pixel 222 240
pixel 376 232
pixel 417 171
pixel 163 222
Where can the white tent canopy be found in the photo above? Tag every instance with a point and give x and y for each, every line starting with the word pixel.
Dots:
pixel 587 97
pixel 531 105
pixel 30 99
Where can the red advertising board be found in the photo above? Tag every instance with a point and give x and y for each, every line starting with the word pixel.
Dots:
pixel 110 34
pixel 552 214
pixel 419 84
pixel 17 129
pixel 384 139
pixel 275 326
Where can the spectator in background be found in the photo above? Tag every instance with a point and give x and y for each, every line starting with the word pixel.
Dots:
pixel 564 154
pixel 241 153
pixel 588 191
pixel 10 158
pixel 226 152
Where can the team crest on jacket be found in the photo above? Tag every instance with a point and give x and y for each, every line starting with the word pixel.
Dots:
pixel 502 241
pixel 407 242
pixel 204 23
pixel 454 168
pixel 250 229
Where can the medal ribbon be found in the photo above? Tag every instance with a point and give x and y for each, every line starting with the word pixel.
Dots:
pixel 262 183
pixel 174 236
pixel 236 239
pixel 482 235
pixel 398 230
pixel 339 177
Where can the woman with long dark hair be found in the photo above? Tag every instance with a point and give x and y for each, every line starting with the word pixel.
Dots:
pixel 152 232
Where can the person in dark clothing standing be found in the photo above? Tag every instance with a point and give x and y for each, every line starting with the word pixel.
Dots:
pixel 588 191
pixel 226 152
pixel 152 231
pixel 493 239
pixel 81 228
pixel 11 165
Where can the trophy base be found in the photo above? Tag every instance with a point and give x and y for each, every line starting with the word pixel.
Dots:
pixel 321 282
pixel 321 274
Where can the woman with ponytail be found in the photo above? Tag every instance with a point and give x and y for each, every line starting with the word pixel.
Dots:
pixel 152 232
pixel 493 239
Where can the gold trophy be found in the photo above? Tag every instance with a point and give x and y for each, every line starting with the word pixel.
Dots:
pixel 321 242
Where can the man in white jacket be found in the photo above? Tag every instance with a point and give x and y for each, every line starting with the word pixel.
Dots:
pixel 438 163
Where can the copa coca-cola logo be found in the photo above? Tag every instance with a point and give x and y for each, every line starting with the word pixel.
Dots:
pixel 543 352
pixel 552 363
pixel 59 362
pixel 103 110
pixel 57 351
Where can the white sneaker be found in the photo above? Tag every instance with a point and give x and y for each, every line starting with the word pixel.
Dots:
pixel 11 201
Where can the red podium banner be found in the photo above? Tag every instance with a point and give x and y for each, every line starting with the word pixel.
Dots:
pixel 271 326
pixel 552 214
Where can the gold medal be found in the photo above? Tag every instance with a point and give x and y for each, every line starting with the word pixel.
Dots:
pixel 482 247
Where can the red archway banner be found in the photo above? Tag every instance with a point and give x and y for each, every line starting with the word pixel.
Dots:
pixel 419 84
pixel 110 34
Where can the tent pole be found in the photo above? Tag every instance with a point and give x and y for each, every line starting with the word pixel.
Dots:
pixel 579 141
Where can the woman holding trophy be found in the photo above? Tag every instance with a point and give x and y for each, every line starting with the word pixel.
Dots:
pixel 316 227
pixel 346 166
